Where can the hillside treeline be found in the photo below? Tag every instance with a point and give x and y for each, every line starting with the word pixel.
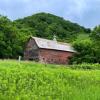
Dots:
pixel 14 34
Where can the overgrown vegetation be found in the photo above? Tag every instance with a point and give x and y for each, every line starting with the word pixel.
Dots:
pixel 33 81
pixel 13 36
pixel 88 50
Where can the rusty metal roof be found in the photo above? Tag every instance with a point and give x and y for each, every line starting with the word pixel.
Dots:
pixel 51 44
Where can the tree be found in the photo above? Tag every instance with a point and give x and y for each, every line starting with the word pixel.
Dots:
pixel 86 50
pixel 8 39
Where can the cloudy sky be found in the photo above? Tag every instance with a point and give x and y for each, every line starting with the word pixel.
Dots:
pixel 83 12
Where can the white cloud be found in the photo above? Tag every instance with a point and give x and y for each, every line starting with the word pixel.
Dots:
pixel 75 10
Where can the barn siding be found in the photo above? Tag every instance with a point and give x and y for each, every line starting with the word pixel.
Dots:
pixel 31 51
pixel 54 56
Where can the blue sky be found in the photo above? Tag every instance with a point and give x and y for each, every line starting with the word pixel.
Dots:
pixel 83 12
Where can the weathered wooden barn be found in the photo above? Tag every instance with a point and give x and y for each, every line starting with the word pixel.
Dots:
pixel 48 51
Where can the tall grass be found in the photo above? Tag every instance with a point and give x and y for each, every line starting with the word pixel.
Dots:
pixel 33 81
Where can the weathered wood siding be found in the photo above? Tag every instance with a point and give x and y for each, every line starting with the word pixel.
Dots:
pixel 31 51
pixel 54 56
pixel 34 53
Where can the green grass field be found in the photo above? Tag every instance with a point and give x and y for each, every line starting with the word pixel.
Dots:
pixel 33 81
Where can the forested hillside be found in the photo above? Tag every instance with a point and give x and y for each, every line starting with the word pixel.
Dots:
pixel 46 25
pixel 14 34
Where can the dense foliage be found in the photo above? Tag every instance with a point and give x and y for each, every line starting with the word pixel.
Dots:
pixel 13 36
pixel 46 25
pixel 9 43
pixel 31 81
pixel 88 50
pixel 88 47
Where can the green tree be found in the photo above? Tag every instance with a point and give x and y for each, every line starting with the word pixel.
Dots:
pixel 86 50
pixel 8 38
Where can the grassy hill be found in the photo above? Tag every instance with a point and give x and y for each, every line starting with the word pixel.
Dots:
pixel 34 81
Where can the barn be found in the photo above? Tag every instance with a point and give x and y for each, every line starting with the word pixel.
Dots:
pixel 48 51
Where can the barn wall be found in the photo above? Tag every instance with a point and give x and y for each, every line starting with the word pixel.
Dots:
pixel 54 56
pixel 31 51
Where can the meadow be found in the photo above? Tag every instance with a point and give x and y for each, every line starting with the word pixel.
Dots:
pixel 34 81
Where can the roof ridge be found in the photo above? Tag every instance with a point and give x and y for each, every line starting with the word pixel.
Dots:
pixel 53 41
pixel 50 44
pixel 42 38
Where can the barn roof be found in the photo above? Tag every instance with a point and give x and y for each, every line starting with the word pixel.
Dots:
pixel 51 44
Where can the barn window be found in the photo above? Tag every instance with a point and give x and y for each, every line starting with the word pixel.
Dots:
pixel 31 59
pixel 43 58
pixel 52 60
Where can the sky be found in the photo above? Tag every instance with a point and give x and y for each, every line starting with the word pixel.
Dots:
pixel 83 12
